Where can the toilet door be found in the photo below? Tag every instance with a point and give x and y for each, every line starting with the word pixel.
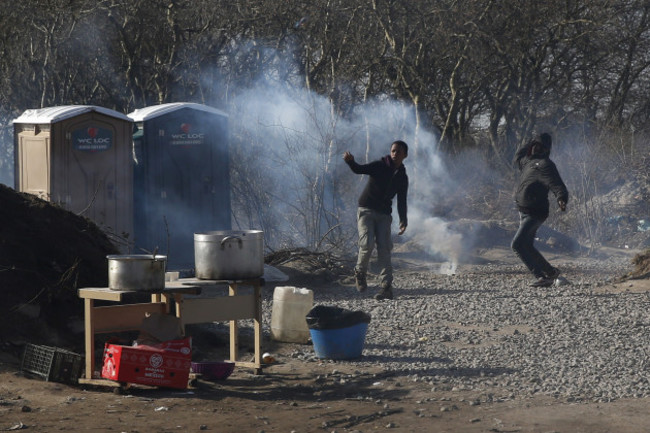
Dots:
pixel 34 164
pixel 92 173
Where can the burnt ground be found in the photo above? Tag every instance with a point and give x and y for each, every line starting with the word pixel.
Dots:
pixel 46 253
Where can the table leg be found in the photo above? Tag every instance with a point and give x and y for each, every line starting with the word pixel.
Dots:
pixel 258 328
pixel 234 334
pixel 178 300
pixel 89 329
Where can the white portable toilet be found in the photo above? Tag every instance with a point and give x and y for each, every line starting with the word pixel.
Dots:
pixel 80 157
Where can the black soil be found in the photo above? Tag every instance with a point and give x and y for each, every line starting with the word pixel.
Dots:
pixel 46 254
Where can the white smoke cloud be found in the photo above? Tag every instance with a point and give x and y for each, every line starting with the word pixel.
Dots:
pixel 299 142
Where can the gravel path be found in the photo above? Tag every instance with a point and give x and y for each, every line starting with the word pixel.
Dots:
pixel 485 329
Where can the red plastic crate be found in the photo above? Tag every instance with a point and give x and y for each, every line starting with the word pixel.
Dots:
pixel 165 365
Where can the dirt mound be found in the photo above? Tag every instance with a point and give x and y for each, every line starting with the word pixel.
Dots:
pixel 641 264
pixel 624 217
pixel 46 254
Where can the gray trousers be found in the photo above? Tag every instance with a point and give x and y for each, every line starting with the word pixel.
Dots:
pixel 374 228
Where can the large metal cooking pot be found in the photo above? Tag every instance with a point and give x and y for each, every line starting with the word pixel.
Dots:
pixel 229 254
pixel 136 272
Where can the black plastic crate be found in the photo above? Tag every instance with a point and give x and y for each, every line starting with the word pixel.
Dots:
pixel 52 363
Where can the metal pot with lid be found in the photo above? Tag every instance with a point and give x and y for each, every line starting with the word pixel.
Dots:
pixel 229 254
pixel 136 272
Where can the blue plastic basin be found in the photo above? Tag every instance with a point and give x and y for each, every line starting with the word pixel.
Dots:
pixel 343 343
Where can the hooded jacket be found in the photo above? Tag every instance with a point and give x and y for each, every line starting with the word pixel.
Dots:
pixel 385 181
pixel 539 175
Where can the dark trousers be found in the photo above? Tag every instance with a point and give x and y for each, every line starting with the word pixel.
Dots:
pixel 523 245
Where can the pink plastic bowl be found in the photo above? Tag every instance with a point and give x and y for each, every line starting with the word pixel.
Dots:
pixel 218 370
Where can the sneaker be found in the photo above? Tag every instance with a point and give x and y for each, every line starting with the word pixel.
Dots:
pixel 386 293
pixel 554 274
pixel 361 283
pixel 543 282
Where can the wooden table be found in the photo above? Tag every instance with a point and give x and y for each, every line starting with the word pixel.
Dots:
pixel 128 317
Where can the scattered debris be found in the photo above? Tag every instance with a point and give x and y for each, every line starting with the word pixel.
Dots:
pixel 323 265
pixel 641 264
pixel 643 225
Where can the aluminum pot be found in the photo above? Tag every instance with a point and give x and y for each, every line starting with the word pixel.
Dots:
pixel 136 272
pixel 229 254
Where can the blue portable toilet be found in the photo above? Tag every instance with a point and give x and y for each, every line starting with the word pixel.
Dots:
pixel 181 178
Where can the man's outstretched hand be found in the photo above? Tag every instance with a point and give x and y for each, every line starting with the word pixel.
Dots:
pixel 348 157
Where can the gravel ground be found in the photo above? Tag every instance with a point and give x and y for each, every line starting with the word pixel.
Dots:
pixel 485 329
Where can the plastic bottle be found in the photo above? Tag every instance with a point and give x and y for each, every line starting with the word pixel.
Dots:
pixel 290 306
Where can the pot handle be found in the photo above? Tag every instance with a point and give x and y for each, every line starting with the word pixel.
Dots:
pixel 230 238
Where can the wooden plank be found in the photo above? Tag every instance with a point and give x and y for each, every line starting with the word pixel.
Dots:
pixel 189 282
pixel 257 368
pixel 106 294
pixel 101 293
pixel 234 331
pixel 117 318
pixel 185 285
pixel 100 382
pixel 198 282
pixel 89 338
pixel 221 309
pixel 257 325
pixel 113 384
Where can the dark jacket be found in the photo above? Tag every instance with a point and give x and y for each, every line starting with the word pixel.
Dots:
pixel 384 183
pixel 539 175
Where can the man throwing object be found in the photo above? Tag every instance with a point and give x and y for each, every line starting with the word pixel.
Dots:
pixel 538 176
pixel 387 178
